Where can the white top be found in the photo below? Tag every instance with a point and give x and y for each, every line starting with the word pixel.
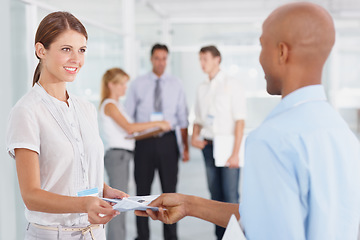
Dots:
pixel 220 102
pixel 67 141
pixel 112 134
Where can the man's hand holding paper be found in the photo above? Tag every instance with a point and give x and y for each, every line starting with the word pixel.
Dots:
pixel 133 203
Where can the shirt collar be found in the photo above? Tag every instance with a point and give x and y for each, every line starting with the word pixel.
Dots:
pixel 154 77
pixel 38 88
pixel 299 96
pixel 218 77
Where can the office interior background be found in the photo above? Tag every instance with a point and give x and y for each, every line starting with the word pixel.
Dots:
pixel 121 33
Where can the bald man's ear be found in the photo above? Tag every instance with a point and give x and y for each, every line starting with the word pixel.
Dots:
pixel 283 51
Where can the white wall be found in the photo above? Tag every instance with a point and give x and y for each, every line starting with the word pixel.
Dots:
pixel 7 169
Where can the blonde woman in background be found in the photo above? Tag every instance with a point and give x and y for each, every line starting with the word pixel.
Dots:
pixel 115 124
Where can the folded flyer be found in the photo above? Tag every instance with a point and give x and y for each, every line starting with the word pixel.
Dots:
pixel 133 203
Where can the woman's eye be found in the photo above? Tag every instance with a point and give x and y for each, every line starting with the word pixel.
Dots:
pixel 83 50
pixel 66 49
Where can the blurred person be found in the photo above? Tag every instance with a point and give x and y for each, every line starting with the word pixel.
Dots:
pixel 53 137
pixel 220 111
pixel 152 97
pixel 115 125
pixel 301 174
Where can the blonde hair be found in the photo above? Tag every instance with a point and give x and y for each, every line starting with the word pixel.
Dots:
pixel 114 75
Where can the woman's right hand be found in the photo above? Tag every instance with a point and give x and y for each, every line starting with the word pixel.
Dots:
pixel 165 126
pixel 99 211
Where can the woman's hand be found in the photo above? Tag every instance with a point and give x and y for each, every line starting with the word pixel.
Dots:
pixel 110 192
pixel 99 211
pixel 164 125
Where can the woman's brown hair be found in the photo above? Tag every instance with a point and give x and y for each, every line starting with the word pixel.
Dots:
pixel 113 75
pixel 51 27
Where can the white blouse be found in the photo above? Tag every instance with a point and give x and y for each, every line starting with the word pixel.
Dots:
pixel 67 141
pixel 112 134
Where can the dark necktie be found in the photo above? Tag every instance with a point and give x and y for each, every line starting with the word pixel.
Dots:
pixel 157 97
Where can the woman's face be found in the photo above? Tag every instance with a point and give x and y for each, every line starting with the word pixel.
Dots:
pixel 64 58
pixel 118 89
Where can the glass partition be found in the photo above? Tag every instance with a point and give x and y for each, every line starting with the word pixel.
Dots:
pixel 105 50
pixel 345 84
pixel 198 34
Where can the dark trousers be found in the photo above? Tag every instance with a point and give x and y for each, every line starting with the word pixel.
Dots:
pixel 223 183
pixel 159 153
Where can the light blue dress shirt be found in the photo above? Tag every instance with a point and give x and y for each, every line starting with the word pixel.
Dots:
pixel 302 173
pixel 139 101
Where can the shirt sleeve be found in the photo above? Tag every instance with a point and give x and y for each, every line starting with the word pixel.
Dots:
pixel 182 110
pixel 130 101
pixel 271 206
pixel 238 100
pixel 23 131
pixel 197 112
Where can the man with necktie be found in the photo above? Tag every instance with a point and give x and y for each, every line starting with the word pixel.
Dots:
pixel 158 96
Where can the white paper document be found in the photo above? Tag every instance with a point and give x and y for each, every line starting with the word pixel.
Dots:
pixel 233 230
pixel 133 203
pixel 145 133
pixel 223 148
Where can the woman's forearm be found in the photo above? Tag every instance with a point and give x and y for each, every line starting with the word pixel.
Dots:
pixel 37 199
pixel 137 127
pixel 43 201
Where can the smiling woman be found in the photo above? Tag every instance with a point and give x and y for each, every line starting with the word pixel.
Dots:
pixel 51 29
pixel 53 137
pixel 61 62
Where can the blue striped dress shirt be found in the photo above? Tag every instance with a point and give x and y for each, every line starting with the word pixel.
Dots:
pixel 139 101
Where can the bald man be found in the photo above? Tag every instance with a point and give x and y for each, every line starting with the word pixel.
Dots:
pixel 301 179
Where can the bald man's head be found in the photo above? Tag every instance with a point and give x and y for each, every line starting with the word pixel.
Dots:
pixel 304 27
pixel 301 35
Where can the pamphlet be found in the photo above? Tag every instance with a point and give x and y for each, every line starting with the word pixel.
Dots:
pixel 133 203
pixel 223 147
pixel 150 132
pixel 233 230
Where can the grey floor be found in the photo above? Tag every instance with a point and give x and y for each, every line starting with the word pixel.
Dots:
pixel 192 180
